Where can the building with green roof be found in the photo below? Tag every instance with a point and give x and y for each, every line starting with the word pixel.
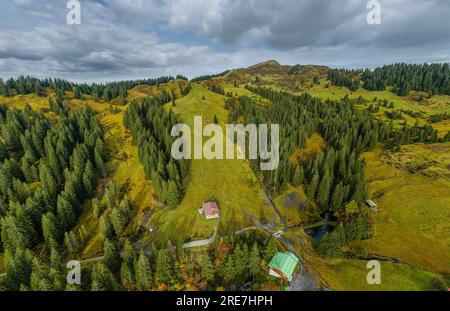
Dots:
pixel 283 265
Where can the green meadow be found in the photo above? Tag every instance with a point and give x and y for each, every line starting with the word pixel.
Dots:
pixel 231 182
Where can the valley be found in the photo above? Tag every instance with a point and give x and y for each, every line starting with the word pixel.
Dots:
pixel 141 229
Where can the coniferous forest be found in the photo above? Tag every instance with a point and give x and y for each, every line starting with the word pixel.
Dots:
pixel 49 168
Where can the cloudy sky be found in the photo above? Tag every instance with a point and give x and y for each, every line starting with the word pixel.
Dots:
pixel 122 39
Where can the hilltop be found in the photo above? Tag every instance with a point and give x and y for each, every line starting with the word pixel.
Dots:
pixel 293 78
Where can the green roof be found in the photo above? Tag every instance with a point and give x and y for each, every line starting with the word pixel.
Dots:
pixel 285 263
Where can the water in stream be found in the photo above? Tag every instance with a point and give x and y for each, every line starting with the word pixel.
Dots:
pixel 318 232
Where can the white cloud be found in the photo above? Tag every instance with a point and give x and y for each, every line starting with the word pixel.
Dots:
pixel 22 2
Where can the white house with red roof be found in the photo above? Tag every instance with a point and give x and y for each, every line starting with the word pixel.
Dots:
pixel 210 210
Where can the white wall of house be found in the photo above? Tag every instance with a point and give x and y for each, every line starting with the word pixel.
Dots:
pixel 273 273
pixel 212 216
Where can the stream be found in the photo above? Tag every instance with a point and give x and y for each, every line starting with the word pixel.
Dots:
pixel 317 233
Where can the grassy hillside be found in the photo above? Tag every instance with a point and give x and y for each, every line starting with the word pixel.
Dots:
pixel 271 74
pixel 412 224
pixel 432 105
pixel 344 275
pixel 125 169
pixel 314 145
pixel 231 182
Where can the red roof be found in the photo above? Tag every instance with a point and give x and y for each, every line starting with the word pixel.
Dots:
pixel 210 208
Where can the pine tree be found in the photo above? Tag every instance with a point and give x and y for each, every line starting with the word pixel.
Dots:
pixel 228 269
pixel 270 249
pixel 76 92
pixel 55 259
pixel 297 178
pixel 103 279
pixel 51 231
pixel 240 257
pixel 173 195
pixel 324 190
pixel 331 243
pixel 39 280
pixel 71 241
pixel 95 93
pixel 143 273
pixel 127 275
pixel 38 89
pixel 57 279
pixel 96 208
pixel 122 101
pixel 112 255
pixel 65 212
pixel 4 90
pixel 18 266
pixel 207 270
pixel 337 198
pixel 16 233
pixel 89 179
pixel 107 94
pixel 312 188
pixel 106 229
pixel 357 228
pixel 118 221
pixel 163 271
pixel 254 260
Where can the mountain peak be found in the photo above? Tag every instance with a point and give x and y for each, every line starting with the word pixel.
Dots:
pixel 270 62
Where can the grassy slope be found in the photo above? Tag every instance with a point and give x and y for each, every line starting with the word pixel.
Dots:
pixel 435 104
pixel 240 91
pixel 443 127
pixel 314 145
pixel 19 101
pixel 288 207
pixel 124 168
pixel 343 274
pixel 412 226
pixel 413 222
pixel 231 182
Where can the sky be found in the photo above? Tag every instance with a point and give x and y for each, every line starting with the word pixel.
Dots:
pixel 130 39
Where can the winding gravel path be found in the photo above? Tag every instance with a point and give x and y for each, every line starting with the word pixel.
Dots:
pixel 204 242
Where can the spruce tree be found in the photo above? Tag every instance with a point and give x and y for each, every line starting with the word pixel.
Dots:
pixel 312 188
pixel 254 260
pixel 89 179
pixel 163 270
pixel 143 273
pixel 173 194
pixel 324 190
pixel 228 269
pixel 103 279
pixel 112 255
pixel 207 268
